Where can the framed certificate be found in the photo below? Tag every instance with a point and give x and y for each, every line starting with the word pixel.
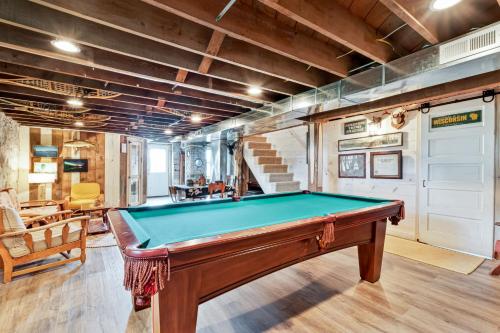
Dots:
pixel 386 164
pixel 352 165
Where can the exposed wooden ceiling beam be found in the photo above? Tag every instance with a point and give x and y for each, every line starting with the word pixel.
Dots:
pixel 410 11
pixel 244 23
pixel 212 49
pixel 114 127
pixel 476 83
pixel 184 95
pixel 121 102
pixel 142 132
pixel 181 75
pixel 110 109
pixel 56 24
pixel 125 116
pixel 113 121
pixel 336 22
pixel 146 21
pixel 38 44
pixel 123 121
pixel 17 71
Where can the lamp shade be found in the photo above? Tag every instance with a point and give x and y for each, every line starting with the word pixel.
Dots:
pixel 41 178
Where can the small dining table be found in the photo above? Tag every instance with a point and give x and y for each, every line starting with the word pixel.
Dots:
pixel 195 191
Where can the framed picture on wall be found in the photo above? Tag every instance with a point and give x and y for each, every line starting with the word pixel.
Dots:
pixel 353 127
pixel 45 151
pixel 386 164
pixel 372 141
pixel 76 165
pixel 45 167
pixel 352 165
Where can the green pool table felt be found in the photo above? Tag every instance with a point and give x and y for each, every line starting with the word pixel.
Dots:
pixel 181 222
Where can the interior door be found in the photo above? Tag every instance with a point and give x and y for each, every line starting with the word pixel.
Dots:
pixel 134 187
pixel 158 170
pixel 457 171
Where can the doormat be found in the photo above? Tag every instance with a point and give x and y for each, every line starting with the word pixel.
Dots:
pixel 431 255
pixel 101 240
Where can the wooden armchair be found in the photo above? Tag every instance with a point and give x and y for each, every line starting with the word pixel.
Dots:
pixel 20 245
pixel 31 208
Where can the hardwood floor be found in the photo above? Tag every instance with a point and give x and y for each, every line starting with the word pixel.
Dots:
pixel 320 295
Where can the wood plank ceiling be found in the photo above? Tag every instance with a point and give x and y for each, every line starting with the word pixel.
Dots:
pixel 159 62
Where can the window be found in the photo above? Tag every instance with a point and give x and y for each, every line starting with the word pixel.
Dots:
pixel 157 160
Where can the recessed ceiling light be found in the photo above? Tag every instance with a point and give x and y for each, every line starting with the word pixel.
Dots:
pixel 443 4
pixel 254 91
pixel 195 118
pixel 79 124
pixel 76 102
pixel 168 131
pixel 65 45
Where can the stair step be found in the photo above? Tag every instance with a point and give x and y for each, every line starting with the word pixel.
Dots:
pixel 280 177
pixel 264 152
pixel 257 139
pixel 287 186
pixel 274 168
pixel 259 145
pixel 269 160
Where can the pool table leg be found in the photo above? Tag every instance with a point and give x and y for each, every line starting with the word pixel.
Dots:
pixel 175 308
pixel 370 255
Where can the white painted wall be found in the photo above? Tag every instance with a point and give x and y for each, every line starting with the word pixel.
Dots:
pixel 404 189
pixel 291 145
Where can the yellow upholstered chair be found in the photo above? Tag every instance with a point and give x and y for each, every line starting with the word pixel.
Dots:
pixel 84 195
pixel 20 244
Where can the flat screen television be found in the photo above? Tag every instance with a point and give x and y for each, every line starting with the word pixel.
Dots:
pixel 75 165
pixel 45 151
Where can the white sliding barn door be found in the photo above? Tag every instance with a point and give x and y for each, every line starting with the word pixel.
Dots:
pixel 457 171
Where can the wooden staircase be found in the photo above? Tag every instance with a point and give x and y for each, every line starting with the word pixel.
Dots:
pixel 268 167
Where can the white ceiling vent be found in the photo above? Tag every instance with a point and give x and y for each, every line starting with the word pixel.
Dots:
pixel 474 43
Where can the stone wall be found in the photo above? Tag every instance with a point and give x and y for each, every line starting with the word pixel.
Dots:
pixel 9 151
pixel 194 153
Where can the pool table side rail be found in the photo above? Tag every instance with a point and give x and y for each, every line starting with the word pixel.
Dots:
pixel 363 215
pixel 250 198
pixel 130 245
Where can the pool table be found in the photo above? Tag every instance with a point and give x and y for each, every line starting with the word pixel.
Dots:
pixel 183 254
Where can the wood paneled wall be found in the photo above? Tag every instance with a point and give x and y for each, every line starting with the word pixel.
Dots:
pixel 95 157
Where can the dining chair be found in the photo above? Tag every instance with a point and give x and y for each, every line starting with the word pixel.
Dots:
pixel 173 193
pixel 214 188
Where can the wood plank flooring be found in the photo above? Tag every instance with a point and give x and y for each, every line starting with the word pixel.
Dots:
pixel 320 295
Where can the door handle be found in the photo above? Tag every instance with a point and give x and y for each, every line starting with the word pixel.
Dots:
pixel 423 183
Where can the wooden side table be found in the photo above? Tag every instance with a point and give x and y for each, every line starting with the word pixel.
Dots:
pixel 98 222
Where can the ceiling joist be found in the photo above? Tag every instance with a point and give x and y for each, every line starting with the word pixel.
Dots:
pixel 408 11
pixel 25 64
pixel 246 24
pixel 336 22
pixel 146 21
